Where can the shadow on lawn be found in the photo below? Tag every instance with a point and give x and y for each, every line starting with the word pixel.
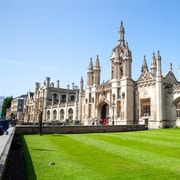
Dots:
pixel 30 172
pixel 39 149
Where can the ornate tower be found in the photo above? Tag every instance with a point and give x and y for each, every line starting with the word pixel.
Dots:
pixel 121 82
pixel 121 58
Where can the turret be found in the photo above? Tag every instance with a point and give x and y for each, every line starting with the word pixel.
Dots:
pixel 90 73
pixel 81 85
pixel 127 60
pixel 153 65
pixel 97 70
pixel 170 68
pixel 57 85
pixel 37 86
pixel 159 92
pixel 158 61
pixel 73 87
pixel 144 65
pixel 47 82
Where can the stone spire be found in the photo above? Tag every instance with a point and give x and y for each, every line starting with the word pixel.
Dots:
pixel 153 64
pixel 158 64
pixel 121 35
pixel 90 73
pixel 170 67
pixel 127 52
pixel 144 65
pixel 97 70
pixel 97 62
pixel 90 64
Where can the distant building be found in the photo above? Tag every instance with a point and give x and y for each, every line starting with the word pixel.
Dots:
pixel 154 97
pixel 29 107
pixel 16 110
pixel 8 114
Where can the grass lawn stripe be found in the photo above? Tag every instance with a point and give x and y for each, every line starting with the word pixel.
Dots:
pixel 146 154
pixel 91 158
pixel 105 156
pixel 136 154
pixel 163 147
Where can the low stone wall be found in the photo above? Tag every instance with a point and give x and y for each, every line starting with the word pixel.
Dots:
pixel 51 129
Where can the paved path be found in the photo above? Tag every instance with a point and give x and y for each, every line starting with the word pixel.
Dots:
pixel 5 144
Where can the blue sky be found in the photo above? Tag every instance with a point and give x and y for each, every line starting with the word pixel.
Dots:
pixel 56 38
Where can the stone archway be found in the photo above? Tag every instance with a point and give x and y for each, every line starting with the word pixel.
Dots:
pixel 105 111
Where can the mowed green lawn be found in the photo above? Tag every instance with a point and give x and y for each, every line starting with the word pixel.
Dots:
pixel 153 154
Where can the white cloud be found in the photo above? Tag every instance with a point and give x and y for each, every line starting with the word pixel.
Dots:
pixel 15 62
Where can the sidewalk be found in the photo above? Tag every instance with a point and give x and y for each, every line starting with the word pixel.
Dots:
pixel 5 144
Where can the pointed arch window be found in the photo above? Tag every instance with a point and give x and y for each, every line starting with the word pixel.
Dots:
pixel 89 97
pixel 70 114
pixel 145 107
pixel 54 98
pixel 61 115
pixel 178 110
pixel 48 115
pixel 54 115
pixel 72 97
pixel 63 98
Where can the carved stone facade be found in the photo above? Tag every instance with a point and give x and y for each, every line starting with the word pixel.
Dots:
pixel 154 97
pixel 57 104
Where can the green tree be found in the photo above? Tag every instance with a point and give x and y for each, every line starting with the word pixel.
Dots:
pixel 6 105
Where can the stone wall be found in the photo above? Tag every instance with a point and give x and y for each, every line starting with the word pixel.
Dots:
pixel 51 129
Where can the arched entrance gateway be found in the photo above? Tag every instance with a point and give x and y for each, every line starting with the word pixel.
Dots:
pixel 104 112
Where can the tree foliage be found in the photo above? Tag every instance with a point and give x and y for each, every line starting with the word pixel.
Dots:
pixel 6 105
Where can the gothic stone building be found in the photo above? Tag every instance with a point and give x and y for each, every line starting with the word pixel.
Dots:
pixel 154 97
pixel 57 104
